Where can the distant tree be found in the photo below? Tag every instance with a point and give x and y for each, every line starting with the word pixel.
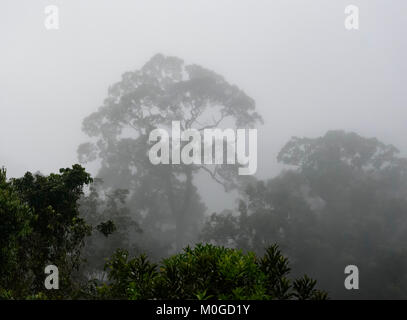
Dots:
pixel 343 202
pixel 163 90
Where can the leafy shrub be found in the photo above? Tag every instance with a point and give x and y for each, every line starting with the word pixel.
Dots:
pixel 206 272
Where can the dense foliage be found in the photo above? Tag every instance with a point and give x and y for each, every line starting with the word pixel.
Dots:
pixel 207 272
pixel 41 225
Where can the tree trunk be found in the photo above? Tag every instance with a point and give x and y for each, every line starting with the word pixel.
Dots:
pixel 181 215
pixel 180 212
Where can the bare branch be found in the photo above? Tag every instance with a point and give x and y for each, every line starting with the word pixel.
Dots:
pixel 214 124
pixel 213 175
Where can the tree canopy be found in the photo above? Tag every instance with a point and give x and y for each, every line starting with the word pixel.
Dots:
pixel 343 201
pixel 165 89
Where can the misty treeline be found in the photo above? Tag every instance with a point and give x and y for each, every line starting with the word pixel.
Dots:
pixel 41 224
pixel 341 200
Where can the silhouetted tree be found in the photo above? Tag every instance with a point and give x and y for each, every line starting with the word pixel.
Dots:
pixel 163 90
pixel 343 202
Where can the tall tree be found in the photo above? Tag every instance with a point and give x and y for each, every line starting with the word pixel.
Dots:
pixel 165 89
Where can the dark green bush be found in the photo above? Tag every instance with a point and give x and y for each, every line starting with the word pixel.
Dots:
pixel 206 272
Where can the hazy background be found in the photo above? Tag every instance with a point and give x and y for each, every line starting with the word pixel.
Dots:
pixel 307 73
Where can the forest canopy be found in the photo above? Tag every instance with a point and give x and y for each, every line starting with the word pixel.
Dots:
pixel 139 230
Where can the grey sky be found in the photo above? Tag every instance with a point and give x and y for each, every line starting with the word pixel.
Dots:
pixel 307 73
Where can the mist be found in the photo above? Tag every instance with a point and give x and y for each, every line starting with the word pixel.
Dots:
pixel 305 71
